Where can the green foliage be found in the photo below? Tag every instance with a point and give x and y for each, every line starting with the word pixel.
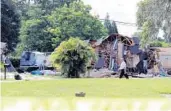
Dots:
pixel 156 44
pixel 158 12
pixel 73 57
pixel 10 24
pixel 99 89
pixel 15 61
pixel 141 13
pixel 45 32
pixel 34 36
pixel 111 26
pixel 24 7
pixel 1 66
pixel 145 34
pixel 159 44
pixel 75 21
pixel 48 5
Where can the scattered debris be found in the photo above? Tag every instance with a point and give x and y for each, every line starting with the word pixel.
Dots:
pixel 17 77
pixel 101 73
pixel 80 94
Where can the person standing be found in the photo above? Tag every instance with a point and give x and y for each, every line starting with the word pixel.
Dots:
pixel 122 68
pixel 145 64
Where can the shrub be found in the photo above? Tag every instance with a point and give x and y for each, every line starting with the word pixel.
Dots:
pixel 73 57
pixel 159 44
pixel 156 44
pixel 15 61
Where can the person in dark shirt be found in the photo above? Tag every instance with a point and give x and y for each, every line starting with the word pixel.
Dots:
pixel 145 56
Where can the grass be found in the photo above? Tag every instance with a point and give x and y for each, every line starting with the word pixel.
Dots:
pixel 102 93
pixel 111 88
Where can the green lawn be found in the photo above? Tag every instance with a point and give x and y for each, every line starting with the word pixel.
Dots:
pixel 44 92
pixel 111 88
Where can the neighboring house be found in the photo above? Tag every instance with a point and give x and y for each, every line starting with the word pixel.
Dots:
pixel 164 56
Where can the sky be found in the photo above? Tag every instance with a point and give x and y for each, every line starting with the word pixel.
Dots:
pixel 119 10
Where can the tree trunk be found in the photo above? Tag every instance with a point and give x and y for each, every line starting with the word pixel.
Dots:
pixel 76 73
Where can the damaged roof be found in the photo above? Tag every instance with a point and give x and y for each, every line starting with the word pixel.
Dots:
pixel 124 39
pixel 135 48
pixel 136 40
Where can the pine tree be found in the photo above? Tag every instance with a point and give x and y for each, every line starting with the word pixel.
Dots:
pixel 110 25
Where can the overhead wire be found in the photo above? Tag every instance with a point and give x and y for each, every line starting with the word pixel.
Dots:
pixel 122 23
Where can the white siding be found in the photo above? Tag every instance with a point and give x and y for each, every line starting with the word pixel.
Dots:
pixel 166 61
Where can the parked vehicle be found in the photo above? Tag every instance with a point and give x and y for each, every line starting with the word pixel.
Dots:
pixel 34 59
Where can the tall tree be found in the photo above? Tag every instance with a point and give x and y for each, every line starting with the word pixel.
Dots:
pixel 110 25
pixel 114 26
pixel 159 13
pixel 10 24
pixel 75 21
pixel 34 36
pixel 34 23
pixel 24 7
pixel 47 32
pixel 145 34
pixel 48 5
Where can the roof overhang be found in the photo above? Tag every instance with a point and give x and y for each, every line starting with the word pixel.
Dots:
pixel 123 39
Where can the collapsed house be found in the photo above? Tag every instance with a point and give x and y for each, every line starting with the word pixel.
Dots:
pixel 111 49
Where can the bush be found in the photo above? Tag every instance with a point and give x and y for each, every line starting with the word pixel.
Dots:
pixel 159 44
pixel 164 44
pixel 156 44
pixel 15 61
pixel 73 57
